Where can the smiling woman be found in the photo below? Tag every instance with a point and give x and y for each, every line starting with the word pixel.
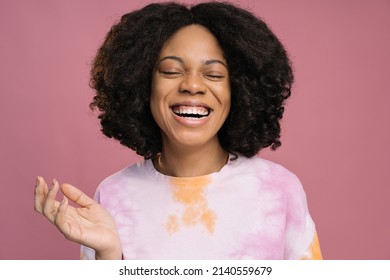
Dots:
pixel 198 92
pixel 190 101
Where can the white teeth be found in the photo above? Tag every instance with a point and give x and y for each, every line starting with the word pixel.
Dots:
pixel 191 111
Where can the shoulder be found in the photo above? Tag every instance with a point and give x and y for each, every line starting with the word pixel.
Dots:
pixel 268 178
pixel 124 177
pixel 267 171
pixel 282 186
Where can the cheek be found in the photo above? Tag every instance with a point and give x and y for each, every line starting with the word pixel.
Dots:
pixel 225 98
pixel 228 93
pixel 228 98
pixel 227 102
pixel 157 105
pixel 154 103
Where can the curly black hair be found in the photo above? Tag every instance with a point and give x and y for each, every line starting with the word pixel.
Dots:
pixel 259 68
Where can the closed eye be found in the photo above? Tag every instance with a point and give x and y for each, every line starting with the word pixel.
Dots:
pixel 214 77
pixel 170 74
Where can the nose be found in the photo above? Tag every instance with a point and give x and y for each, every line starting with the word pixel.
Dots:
pixel 192 84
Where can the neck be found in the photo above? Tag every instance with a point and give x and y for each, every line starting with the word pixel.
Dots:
pixel 192 161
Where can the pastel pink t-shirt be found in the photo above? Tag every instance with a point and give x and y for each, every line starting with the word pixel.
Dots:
pixel 251 209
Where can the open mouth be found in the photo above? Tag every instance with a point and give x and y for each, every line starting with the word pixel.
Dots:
pixel 191 112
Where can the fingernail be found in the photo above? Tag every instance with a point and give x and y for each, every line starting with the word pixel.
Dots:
pixel 53 183
pixel 37 182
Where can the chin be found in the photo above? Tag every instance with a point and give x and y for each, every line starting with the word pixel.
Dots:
pixel 193 139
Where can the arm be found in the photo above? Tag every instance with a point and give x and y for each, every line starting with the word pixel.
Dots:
pixel 89 224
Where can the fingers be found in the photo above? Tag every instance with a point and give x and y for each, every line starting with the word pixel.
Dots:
pixel 44 199
pixel 41 191
pixel 61 220
pixel 76 195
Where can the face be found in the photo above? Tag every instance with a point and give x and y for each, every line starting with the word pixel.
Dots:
pixel 190 97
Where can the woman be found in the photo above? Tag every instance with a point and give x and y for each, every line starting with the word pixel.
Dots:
pixel 198 92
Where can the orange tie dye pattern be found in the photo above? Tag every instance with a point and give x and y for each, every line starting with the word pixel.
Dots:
pixel 189 192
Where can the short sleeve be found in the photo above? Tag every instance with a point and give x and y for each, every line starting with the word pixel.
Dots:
pixel 301 241
pixel 313 252
pixel 87 253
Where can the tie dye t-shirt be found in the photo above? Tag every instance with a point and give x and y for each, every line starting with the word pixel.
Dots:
pixel 250 209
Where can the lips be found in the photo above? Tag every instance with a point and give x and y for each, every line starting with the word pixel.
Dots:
pixel 190 111
pixel 191 114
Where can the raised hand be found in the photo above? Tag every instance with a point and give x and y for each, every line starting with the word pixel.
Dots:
pixel 90 224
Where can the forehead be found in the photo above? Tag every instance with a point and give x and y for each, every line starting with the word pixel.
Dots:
pixel 194 41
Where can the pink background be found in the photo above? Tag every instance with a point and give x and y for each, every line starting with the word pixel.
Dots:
pixel 336 132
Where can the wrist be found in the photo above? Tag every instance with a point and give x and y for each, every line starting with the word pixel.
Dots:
pixel 114 253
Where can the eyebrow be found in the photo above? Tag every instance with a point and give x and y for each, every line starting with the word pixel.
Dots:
pixel 179 59
pixel 171 57
pixel 211 61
